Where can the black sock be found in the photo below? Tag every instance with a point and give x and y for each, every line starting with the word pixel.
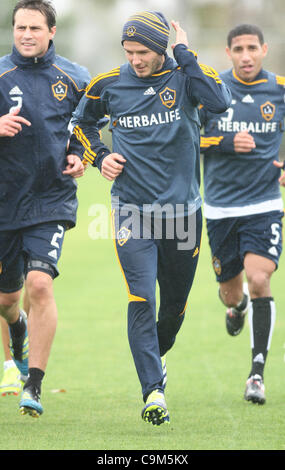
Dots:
pixel 261 322
pixel 18 328
pixel 35 378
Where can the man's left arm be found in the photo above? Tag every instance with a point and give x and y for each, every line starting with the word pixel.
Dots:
pixel 281 164
pixel 206 87
pixel 74 166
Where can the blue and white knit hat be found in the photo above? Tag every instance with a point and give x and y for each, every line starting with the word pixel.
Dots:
pixel 149 28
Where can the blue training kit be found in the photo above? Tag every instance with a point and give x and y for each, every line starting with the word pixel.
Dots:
pixel 243 203
pixel 37 202
pixel 259 108
pixel 155 125
pixel 32 188
pixel 149 119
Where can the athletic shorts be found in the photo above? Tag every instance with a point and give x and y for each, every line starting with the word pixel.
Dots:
pixel 231 238
pixel 34 248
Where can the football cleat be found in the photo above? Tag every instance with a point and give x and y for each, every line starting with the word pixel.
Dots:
pixel 255 390
pixel 164 371
pixel 234 318
pixel 11 383
pixel 155 410
pixel 19 348
pixel 30 402
pixel 234 321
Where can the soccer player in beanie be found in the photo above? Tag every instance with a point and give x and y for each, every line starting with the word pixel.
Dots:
pixel 152 101
pixel 243 204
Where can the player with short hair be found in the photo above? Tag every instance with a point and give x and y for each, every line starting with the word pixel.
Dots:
pixel 243 204
pixel 152 101
pixel 39 91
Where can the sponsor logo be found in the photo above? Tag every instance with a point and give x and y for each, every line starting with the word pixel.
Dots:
pixel 150 91
pixel 259 358
pixel 145 120
pixel 255 127
pixel 60 90
pixel 248 99
pixel 196 252
pixel 16 96
pixel 53 254
pixel 273 251
pixel 15 91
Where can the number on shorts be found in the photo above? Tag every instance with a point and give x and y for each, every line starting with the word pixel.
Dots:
pixel 56 236
pixel 275 233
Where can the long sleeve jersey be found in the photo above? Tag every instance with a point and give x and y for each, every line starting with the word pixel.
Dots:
pixel 155 125
pixel 32 188
pixel 237 184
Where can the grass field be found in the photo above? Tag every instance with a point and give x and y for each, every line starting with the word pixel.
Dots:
pixel 100 406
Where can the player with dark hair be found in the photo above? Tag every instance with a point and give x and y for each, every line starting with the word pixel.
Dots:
pixel 45 7
pixel 242 29
pixel 39 91
pixel 243 204
pixel 152 101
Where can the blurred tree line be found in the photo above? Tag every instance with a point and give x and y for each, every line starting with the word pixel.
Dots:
pixel 89 31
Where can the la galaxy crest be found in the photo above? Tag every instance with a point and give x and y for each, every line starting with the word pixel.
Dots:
pixel 168 97
pixel 123 235
pixel 131 31
pixel 267 110
pixel 217 265
pixel 59 90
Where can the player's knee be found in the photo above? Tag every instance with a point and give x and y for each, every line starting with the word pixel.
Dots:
pixel 39 286
pixel 8 302
pixel 258 283
pixel 230 297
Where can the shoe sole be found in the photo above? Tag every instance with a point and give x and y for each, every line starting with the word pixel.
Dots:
pixel 255 399
pixel 31 408
pixel 10 392
pixel 24 410
pixel 155 414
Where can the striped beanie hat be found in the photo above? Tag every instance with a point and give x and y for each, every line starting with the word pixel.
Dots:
pixel 149 28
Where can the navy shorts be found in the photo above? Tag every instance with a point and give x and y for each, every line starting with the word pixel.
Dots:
pixel 231 238
pixel 33 248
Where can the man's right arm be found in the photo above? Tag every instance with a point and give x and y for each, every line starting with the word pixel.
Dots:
pixel 11 124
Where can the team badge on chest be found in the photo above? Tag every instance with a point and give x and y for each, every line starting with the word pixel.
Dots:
pixel 60 90
pixel 267 110
pixel 168 97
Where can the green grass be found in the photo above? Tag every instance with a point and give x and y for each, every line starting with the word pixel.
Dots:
pixel 91 361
